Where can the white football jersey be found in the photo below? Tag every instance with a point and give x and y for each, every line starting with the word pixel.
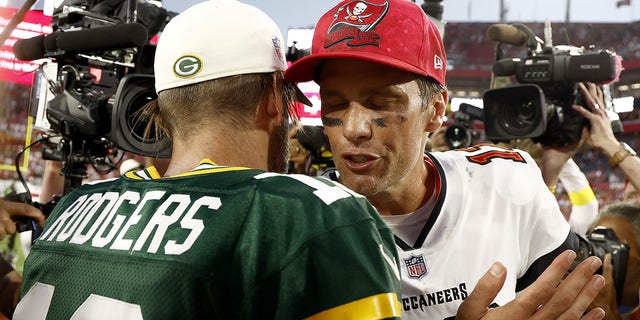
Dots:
pixel 490 204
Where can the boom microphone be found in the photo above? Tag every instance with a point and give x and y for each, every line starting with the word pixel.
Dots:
pixel 507 33
pixel 114 37
pixel 505 67
pixel 29 49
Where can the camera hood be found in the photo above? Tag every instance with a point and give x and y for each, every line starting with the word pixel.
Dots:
pixel 128 125
pixel 518 111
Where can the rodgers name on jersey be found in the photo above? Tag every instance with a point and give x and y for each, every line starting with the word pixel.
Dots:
pixel 94 220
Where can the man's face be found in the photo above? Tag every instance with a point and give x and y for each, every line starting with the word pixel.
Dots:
pixel 625 233
pixel 376 124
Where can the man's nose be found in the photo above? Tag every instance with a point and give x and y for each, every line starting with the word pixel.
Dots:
pixel 357 123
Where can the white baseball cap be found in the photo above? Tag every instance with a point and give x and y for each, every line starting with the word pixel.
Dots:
pixel 216 39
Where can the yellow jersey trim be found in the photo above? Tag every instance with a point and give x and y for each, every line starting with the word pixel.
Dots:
pixel 380 306
pixel 205 166
pixel 212 170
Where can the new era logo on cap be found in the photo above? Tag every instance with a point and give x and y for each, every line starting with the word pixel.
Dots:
pixel 396 33
pixel 437 62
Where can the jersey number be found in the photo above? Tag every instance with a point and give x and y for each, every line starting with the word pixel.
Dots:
pixel 35 305
pixel 325 192
pixel 486 157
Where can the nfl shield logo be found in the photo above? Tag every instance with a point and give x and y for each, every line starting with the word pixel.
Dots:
pixel 416 268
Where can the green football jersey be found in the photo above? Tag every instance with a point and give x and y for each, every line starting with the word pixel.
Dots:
pixel 214 243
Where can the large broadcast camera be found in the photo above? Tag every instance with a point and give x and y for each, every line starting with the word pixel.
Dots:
pixel 539 107
pixel 97 76
pixel 102 64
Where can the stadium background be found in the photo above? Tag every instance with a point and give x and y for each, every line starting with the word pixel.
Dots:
pixel 470 53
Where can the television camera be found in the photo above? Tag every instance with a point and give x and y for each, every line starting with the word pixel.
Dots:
pixel 104 75
pixel 539 107
pixel 462 134
pixel 102 62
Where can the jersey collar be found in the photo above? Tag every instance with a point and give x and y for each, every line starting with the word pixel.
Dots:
pixel 205 166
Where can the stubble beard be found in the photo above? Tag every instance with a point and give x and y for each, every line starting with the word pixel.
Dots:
pixel 279 148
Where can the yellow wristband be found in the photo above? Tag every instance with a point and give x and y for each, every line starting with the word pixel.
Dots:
pixel 552 189
pixel 582 197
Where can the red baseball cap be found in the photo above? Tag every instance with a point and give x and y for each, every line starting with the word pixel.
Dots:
pixel 396 33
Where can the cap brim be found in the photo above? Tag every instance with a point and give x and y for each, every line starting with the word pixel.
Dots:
pixel 305 69
pixel 301 97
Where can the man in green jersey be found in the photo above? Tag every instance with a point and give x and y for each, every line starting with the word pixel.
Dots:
pixel 220 235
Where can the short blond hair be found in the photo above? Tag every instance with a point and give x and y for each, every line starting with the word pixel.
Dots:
pixel 231 101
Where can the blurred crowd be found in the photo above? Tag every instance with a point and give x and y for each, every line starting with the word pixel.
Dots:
pixel 621 38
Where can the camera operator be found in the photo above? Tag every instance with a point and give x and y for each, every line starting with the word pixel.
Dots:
pixel 624 219
pixel 52 181
pixel 10 210
pixel 601 136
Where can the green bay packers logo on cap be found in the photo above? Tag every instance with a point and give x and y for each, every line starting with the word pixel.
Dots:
pixel 187 66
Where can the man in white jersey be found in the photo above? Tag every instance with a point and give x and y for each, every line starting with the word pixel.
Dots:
pixel 381 72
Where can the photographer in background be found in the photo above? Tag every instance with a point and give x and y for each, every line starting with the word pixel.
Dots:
pixel 599 135
pixel 624 219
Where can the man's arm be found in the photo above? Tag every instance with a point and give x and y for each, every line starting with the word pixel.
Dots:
pixel 10 282
pixel 549 297
pixel 10 209
pixel 601 134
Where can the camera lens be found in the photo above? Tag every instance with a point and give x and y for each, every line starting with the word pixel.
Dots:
pixel 457 137
pixel 521 119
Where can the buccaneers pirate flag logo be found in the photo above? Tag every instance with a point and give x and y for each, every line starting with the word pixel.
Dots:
pixel 354 22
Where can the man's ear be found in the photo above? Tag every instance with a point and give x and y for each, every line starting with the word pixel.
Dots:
pixel 271 104
pixel 439 102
